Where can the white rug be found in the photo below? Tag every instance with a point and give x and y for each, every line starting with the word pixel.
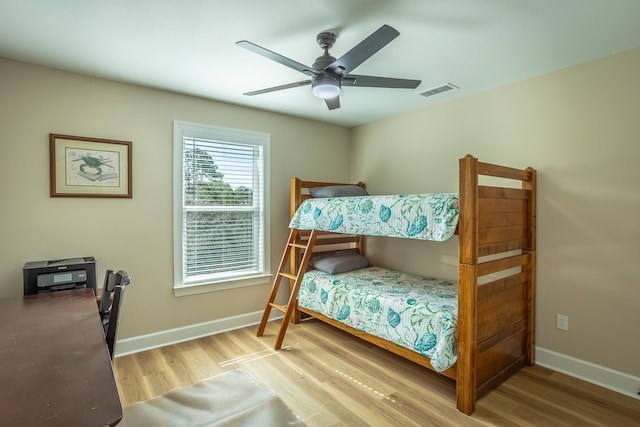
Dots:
pixel 233 398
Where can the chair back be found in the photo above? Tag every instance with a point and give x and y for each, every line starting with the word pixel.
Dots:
pixel 112 297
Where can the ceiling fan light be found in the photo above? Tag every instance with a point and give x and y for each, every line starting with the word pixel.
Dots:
pixel 326 87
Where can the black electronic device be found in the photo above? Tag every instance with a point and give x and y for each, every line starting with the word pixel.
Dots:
pixel 60 274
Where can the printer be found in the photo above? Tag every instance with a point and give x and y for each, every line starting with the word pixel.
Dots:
pixel 59 274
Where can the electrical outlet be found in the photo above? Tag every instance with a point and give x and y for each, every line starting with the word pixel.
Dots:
pixel 562 322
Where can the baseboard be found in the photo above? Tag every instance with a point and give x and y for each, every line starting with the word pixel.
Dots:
pixel 172 336
pixel 608 378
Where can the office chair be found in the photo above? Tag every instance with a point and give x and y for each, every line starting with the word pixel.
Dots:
pixel 114 283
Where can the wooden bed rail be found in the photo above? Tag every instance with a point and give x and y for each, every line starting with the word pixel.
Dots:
pixel 495 319
pixel 489 169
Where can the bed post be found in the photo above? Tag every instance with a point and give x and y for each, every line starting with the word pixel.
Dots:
pixel 295 256
pixel 467 285
pixel 530 271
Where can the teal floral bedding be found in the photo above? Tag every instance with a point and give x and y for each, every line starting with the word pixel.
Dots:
pixel 415 312
pixel 414 216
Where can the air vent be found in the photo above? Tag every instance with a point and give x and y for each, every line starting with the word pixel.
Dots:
pixel 438 89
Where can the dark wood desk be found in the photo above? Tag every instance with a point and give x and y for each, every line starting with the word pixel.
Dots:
pixel 55 368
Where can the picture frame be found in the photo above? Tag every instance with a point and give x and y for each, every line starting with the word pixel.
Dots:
pixel 89 167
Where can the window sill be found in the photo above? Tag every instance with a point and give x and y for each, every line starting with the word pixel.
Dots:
pixel 201 288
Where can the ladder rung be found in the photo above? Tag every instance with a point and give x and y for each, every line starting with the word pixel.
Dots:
pixel 278 306
pixel 298 245
pixel 287 275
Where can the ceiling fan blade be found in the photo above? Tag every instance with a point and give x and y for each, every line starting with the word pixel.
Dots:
pixel 373 81
pixel 281 87
pixel 333 103
pixel 277 57
pixel 363 50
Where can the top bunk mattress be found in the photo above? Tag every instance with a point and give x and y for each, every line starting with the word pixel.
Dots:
pixel 428 216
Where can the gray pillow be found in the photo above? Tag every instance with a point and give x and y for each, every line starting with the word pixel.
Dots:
pixel 340 262
pixel 338 191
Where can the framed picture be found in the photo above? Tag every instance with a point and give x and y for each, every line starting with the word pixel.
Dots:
pixel 89 167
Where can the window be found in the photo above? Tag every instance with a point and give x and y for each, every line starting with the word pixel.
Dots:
pixel 220 184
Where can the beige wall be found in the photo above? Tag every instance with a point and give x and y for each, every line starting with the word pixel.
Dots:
pixel 580 128
pixel 135 234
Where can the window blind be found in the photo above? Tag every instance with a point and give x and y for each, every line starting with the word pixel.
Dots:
pixel 222 209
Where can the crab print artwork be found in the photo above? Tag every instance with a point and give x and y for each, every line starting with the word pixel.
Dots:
pixel 92 167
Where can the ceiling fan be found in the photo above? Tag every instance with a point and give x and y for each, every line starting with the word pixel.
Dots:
pixel 329 74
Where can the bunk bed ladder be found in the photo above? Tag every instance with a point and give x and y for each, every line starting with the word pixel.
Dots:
pixel 295 276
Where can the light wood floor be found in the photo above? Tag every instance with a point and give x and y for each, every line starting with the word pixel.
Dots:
pixel 330 378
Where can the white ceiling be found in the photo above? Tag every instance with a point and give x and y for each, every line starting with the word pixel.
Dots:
pixel 188 46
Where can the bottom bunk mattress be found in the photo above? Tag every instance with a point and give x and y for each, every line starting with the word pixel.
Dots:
pixel 415 312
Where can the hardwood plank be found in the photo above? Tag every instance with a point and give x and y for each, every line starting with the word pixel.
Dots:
pixel 500 247
pixel 501 205
pixel 503 171
pixel 129 379
pixel 502 308
pixel 330 378
pixel 500 355
pixel 500 234
pixel 500 219
pixel 491 192
pixel 501 264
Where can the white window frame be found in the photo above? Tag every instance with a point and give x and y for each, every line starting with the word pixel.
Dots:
pixel 181 286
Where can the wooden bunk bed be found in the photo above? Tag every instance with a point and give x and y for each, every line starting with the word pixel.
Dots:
pixel 495 305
